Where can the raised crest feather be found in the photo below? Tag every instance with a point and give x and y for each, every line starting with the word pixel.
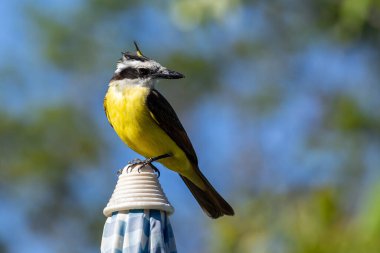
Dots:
pixel 138 51
pixel 138 56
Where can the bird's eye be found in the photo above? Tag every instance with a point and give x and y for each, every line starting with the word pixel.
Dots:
pixel 144 72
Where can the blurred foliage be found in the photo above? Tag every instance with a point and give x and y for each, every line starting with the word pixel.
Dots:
pixel 43 149
pixel 40 150
pixel 349 117
pixel 350 19
pixel 189 14
pixel 302 222
pixel 44 141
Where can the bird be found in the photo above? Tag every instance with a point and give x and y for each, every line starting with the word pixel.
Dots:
pixel 145 121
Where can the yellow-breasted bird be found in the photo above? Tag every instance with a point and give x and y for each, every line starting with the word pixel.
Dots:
pixel 147 123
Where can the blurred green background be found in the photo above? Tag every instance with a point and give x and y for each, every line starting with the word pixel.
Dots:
pixel 280 100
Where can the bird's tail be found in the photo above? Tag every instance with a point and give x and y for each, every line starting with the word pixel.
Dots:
pixel 211 202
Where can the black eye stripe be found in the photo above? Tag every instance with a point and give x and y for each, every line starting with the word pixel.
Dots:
pixel 132 73
pixel 143 72
pixel 129 73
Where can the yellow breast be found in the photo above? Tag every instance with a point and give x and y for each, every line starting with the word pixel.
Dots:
pixel 131 119
pixel 127 113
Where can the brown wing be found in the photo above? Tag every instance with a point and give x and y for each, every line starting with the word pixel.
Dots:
pixel 208 198
pixel 167 119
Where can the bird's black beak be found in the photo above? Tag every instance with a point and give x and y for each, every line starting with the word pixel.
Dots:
pixel 168 74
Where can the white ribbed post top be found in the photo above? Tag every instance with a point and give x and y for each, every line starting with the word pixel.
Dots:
pixel 137 189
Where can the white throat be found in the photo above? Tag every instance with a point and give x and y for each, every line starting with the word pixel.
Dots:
pixel 149 83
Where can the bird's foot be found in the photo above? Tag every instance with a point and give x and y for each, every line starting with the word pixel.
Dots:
pixel 154 159
pixel 156 170
pixel 146 162
pixel 135 162
pixel 130 166
pixel 119 172
pixel 151 165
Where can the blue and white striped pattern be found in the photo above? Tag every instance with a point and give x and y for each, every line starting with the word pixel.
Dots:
pixel 138 231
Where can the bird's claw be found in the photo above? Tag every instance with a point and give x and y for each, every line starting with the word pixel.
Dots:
pixel 135 162
pixel 148 162
pixel 145 163
pixel 156 170
pixel 130 166
pixel 120 171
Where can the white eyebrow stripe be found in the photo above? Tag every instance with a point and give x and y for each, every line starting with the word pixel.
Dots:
pixel 134 64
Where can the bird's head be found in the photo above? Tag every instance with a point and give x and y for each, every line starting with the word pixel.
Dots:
pixel 139 69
